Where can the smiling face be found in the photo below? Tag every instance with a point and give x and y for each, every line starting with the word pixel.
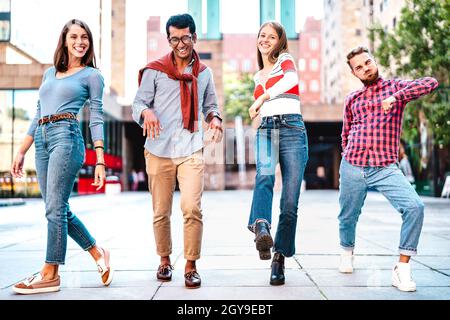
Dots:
pixel 183 49
pixel 267 40
pixel 77 42
pixel 364 68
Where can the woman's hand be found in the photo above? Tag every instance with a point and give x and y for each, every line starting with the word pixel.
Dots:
pixel 17 165
pixel 99 176
pixel 256 106
pixel 254 110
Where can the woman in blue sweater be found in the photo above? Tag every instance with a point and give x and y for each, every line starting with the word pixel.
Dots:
pixel 60 151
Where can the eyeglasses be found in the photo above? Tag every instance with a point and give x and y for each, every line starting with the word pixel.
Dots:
pixel 186 39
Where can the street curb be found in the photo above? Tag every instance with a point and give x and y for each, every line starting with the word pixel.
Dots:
pixel 11 202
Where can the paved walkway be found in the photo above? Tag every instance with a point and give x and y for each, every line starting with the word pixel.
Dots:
pixel 230 267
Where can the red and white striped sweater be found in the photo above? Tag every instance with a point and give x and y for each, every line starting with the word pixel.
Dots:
pixel 282 87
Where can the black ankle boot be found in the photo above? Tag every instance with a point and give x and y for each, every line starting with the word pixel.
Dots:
pixel 277 275
pixel 263 240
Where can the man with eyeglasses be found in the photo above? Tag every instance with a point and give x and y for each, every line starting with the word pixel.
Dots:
pixel 371 133
pixel 173 93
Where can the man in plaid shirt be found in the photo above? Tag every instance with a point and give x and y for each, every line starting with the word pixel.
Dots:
pixel 370 142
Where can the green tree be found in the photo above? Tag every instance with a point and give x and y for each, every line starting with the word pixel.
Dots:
pixel 238 96
pixel 419 46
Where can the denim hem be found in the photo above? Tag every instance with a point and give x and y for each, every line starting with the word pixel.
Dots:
pixel 282 253
pixel 347 248
pixel 89 247
pixel 251 227
pixel 55 262
pixel 407 252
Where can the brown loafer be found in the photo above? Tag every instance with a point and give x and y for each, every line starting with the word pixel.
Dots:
pixel 104 267
pixel 35 284
pixel 164 272
pixel 192 280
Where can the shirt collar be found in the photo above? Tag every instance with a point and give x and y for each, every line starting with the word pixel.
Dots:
pixel 379 79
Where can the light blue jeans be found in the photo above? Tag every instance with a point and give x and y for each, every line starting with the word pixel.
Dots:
pixel 390 181
pixel 280 139
pixel 59 157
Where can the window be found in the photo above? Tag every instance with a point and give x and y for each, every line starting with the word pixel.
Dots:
pixel 152 45
pixel 394 22
pixel 313 44
pixel 246 65
pixel 205 55
pixel 358 32
pixel 233 64
pixel 314 65
pixel 5 20
pixel 301 64
pixel 314 86
pixel 17 109
pixel 301 86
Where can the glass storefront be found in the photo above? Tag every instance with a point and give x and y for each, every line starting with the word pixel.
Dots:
pixel 17 108
pixel 5 20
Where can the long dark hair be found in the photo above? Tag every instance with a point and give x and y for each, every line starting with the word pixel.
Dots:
pixel 281 47
pixel 61 57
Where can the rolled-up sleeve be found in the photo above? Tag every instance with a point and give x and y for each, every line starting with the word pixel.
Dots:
pixel 96 85
pixel 145 95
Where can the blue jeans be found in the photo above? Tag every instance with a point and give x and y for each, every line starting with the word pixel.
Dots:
pixel 390 181
pixel 59 157
pixel 280 139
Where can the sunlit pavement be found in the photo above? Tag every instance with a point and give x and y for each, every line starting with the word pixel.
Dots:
pixel 229 267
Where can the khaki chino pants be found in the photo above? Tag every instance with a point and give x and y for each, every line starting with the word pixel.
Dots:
pixel 162 176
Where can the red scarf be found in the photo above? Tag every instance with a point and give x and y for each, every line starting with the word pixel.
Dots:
pixel 189 100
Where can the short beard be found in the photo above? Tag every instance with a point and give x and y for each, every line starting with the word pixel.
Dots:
pixel 369 82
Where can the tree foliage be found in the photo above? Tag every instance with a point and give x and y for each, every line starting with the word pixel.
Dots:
pixel 420 46
pixel 238 96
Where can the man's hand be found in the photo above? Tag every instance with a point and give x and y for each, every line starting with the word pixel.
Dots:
pixel 387 104
pixel 215 126
pixel 152 126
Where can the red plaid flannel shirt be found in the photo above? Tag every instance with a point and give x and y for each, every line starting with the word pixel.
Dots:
pixel 369 136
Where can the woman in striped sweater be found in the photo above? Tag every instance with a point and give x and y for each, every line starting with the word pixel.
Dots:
pixel 281 137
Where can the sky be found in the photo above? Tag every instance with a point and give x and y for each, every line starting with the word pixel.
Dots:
pixel 36 24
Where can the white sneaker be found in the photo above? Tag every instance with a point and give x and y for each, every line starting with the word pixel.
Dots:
pixel 346 264
pixel 401 277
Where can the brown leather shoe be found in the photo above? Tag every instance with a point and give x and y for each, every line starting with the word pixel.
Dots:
pixel 192 280
pixel 164 272
pixel 35 284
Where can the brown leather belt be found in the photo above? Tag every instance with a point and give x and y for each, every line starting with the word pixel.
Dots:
pixel 56 117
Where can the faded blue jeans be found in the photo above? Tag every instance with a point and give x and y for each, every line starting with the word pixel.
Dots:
pixel 280 139
pixel 59 157
pixel 390 181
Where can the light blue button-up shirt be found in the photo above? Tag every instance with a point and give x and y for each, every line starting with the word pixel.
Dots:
pixel 162 94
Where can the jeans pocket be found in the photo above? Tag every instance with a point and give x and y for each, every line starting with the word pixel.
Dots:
pixel 297 125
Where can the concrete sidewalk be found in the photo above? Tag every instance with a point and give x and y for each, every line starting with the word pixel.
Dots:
pixel 229 267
